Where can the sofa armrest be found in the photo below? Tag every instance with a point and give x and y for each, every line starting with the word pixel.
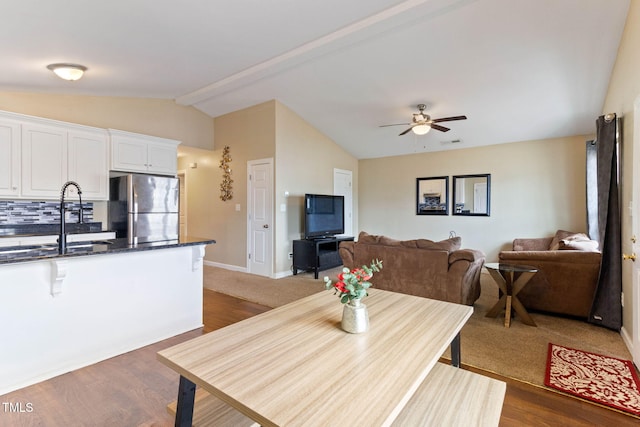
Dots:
pixel 345 250
pixel 540 244
pixel 470 255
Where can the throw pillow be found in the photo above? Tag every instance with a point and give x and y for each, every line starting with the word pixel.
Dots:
pixel 560 234
pixel 580 245
pixel 579 242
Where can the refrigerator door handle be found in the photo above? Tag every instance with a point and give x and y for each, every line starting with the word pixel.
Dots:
pixel 133 228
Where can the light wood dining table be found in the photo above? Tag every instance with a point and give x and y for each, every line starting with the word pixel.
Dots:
pixel 294 365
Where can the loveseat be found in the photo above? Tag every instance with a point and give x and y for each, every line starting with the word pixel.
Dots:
pixel 421 267
pixel 568 267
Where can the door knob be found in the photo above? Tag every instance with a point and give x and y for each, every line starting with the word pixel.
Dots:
pixel 632 257
pixel 265 226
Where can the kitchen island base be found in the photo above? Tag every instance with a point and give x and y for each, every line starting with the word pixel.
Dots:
pixel 102 306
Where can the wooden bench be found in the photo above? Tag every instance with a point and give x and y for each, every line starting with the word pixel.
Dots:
pixel 448 396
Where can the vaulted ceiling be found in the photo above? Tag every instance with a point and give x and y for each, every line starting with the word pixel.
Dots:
pixel 518 69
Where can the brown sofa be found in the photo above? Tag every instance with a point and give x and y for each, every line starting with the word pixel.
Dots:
pixel 568 266
pixel 438 270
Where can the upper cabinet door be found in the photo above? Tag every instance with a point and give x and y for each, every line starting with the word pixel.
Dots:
pixel 128 154
pixel 44 161
pixel 133 152
pixel 163 158
pixel 88 165
pixel 9 158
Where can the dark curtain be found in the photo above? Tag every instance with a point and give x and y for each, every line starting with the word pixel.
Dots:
pixel 607 308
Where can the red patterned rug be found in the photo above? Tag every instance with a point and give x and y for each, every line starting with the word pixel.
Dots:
pixel 606 380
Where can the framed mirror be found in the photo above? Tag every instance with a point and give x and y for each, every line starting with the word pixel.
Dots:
pixel 472 195
pixel 432 195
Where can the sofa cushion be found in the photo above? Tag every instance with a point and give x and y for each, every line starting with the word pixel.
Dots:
pixel 449 245
pixel 388 241
pixel 365 237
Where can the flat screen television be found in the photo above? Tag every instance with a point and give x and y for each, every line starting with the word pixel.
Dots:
pixel 323 216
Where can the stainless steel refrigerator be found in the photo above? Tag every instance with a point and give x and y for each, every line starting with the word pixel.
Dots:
pixel 144 208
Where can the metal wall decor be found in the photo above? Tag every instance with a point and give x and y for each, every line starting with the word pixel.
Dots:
pixel 225 186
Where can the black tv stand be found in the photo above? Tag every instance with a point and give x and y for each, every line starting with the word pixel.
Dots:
pixel 317 254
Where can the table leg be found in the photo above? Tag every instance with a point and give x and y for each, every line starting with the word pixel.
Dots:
pixel 495 310
pixel 522 312
pixel 455 351
pixel 186 398
pixel 502 285
pixel 518 285
pixel 507 312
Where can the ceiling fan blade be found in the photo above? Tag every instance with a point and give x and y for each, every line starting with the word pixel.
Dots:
pixel 406 131
pixel 449 119
pixel 440 128
pixel 396 124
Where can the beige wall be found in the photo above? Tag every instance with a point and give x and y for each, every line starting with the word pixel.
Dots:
pixel 157 117
pixel 537 187
pixel 250 135
pixel 624 89
pixel 305 159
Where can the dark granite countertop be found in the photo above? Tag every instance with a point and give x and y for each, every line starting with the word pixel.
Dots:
pixel 16 254
pixel 47 229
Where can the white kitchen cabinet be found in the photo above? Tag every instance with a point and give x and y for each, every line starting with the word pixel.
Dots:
pixel 37 156
pixel 53 155
pixel 44 161
pixel 132 152
pixel 9 158
pixel 88 154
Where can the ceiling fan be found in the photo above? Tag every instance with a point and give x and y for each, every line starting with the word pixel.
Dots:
pixel 422 123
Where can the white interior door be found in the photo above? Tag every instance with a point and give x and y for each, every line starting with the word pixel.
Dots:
pixel 343 186
pixel 635 224
pixel 260 217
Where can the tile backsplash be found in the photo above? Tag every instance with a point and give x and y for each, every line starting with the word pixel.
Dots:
pixel 28 212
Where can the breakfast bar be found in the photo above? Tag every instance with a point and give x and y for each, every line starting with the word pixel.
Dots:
pixel 98 300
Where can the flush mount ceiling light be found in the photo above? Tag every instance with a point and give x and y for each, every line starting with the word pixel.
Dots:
pixel 68 71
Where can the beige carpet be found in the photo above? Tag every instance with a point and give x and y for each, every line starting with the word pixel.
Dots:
pixel 517 352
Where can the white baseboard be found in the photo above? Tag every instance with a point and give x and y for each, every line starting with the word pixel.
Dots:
pixel 226 266
pixel 627 339
pixel 283 274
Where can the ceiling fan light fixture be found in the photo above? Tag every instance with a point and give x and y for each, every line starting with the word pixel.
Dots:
pixel 421 129
pixel 69 72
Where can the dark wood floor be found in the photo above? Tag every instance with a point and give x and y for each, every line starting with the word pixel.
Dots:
pixel 133 389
